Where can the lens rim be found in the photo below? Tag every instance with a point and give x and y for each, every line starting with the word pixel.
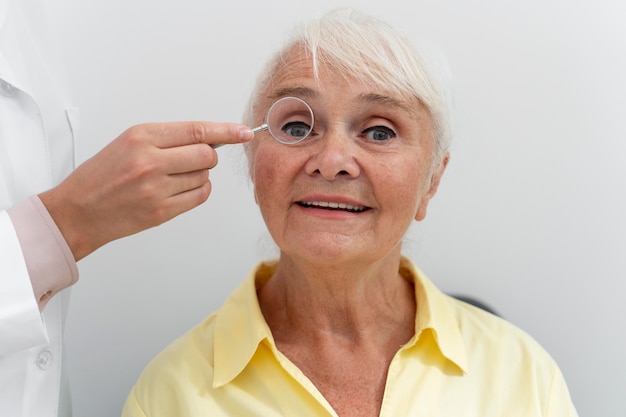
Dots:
pixel 273 106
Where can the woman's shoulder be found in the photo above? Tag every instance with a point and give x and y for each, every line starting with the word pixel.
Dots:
pixel 170 383
pixel 492 337
pixel 190 354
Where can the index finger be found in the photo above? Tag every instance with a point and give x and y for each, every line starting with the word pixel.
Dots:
pixel 172 134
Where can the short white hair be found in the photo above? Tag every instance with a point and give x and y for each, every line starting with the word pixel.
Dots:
pixel 362 47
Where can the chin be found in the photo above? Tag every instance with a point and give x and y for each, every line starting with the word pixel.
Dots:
pixel 328 252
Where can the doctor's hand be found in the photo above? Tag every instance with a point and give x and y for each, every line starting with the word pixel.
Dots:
pixel 147 176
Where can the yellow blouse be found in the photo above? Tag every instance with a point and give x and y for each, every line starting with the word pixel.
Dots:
pixel 462 362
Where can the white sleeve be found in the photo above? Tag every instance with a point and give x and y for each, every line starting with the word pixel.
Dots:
pixel 21 323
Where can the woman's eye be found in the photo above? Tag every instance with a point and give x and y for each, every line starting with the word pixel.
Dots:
pixel 296 129
pixel 379 133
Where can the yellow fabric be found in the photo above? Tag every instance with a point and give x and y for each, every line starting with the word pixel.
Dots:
pixel 462 361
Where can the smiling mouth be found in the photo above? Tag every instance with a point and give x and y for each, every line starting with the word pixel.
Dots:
pixel 326 205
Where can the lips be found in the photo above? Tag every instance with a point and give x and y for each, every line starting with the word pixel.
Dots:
pixel 329 205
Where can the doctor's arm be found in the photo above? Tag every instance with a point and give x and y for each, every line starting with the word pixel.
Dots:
pixel 147 176
pixel 21 324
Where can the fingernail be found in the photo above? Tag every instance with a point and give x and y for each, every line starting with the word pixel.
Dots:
pixel 246 134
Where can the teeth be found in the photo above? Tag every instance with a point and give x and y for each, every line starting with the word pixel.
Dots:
pixel 341 206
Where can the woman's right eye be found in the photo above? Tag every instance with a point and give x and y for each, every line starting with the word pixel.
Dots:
pixel 296 129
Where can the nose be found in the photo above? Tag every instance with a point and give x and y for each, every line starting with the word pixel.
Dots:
pixel 334 156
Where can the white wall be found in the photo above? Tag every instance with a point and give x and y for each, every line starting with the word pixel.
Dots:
pixel 530 215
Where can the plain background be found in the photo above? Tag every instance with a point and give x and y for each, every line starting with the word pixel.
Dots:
pixel 529 216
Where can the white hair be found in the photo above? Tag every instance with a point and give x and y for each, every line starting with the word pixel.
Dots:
pixel 365 48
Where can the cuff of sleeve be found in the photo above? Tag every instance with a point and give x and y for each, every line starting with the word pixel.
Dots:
pixel 49 260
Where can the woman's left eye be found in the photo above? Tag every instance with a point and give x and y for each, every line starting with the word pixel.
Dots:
pixel 379 133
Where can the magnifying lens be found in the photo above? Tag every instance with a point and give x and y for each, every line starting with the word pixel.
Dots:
pixel 289 120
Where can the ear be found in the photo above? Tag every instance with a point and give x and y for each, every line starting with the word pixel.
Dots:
pixel 434 185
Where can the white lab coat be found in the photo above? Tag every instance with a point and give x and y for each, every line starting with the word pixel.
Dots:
pixel 37 151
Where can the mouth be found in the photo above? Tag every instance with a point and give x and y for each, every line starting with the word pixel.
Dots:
pixel 327 205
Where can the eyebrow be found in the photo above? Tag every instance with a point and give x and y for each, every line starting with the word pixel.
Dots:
pixel 304 92
pixel 386 100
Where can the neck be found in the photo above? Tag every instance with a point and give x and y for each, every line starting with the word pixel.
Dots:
pixel 315 304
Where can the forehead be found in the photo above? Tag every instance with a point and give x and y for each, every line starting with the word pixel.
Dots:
pixel 296 74
pixel 296 61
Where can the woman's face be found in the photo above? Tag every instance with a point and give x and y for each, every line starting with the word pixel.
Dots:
pixel 349 191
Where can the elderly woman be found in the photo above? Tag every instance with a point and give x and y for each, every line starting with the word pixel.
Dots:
pixel 342 324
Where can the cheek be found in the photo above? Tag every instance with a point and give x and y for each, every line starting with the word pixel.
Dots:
pixel 403 187
pixel 269 174
pixel 262 174
pixel 272 191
